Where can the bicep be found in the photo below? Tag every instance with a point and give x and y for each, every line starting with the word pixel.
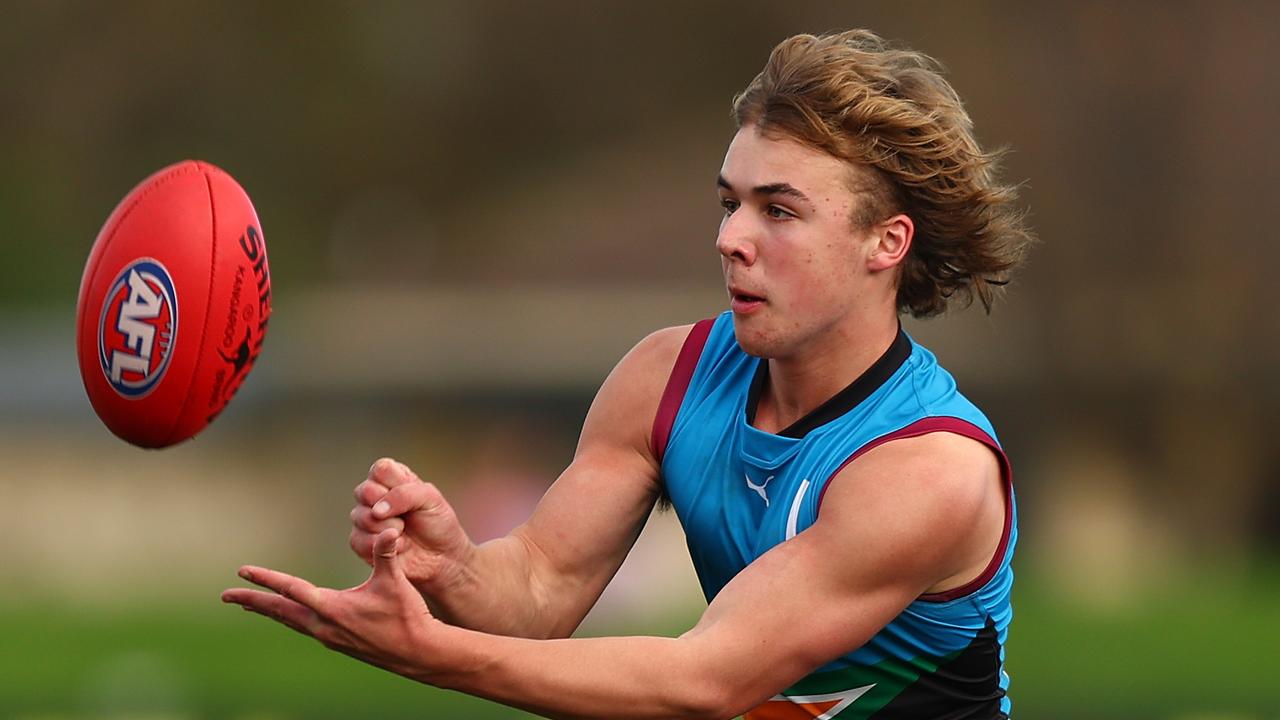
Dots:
pixel 590 517
pixel 795 608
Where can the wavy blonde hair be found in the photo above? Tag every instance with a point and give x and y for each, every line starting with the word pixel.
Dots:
pixel 853 96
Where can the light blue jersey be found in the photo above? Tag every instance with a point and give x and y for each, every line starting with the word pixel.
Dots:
pixel 739 491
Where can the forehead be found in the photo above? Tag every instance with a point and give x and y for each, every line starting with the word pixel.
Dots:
pixel 755 158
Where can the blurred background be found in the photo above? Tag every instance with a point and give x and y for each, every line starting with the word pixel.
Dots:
pixel 473 209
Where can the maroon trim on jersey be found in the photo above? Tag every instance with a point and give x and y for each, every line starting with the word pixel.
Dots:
pixel 973 432
pixel 677 384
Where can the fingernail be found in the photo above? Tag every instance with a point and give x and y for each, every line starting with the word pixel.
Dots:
pixel 244 573
pixel 382 508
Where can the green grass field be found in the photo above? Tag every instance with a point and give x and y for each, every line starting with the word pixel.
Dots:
pixel 1207 651
pixel 208 662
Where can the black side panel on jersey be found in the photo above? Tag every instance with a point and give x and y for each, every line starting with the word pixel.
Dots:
pixel 966 688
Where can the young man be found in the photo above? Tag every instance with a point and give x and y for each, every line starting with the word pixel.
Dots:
pixel 850 515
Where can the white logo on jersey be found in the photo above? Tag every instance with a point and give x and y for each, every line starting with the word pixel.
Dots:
pixel 759 488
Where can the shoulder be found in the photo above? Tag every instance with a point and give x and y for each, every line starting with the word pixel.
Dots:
pixel 942 464
pixel 627 402
pixel 658 350
pixel 645 368
pixel 933 502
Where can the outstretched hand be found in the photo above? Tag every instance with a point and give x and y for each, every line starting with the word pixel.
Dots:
pixel 383 621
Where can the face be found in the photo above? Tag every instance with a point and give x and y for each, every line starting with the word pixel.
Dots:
pixel 796 268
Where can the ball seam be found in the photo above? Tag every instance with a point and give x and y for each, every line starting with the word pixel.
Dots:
pixel 208 305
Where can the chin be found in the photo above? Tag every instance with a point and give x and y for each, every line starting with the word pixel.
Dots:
pixel 754 341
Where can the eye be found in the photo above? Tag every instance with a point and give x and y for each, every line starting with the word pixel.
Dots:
pixel 729 205
pixel 778 212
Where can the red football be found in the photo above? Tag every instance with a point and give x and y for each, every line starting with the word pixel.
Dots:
pixel 173 304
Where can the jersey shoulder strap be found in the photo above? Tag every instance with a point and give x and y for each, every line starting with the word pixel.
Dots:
pixel 677 384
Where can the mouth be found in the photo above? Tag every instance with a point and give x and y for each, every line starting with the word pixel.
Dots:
pixel 744 302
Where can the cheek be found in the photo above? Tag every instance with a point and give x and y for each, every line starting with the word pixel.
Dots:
pixel 821 282
pixel 809 276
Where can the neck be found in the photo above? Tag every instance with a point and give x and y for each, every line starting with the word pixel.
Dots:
pixel 802 381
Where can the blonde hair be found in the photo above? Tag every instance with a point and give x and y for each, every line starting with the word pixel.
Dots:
pixel 853 96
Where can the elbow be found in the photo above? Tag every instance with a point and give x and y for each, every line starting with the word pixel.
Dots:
pixel 708 708
pixel 707 681
pixel 708 699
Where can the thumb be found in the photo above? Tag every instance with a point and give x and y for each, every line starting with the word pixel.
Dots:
pixel 419 497
pixel 429 519
pixel 387 565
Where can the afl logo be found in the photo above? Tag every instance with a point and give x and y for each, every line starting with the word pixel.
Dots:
pixel 138 326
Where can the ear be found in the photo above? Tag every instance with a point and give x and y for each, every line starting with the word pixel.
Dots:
pixel 892 240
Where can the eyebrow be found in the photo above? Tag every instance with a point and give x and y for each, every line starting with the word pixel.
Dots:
pixel 778 188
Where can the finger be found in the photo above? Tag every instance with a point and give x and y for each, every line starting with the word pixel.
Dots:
pixel 386 558
pixel 369 492
pixel 361 544
pixel 362 518
pixel 293 588
pixel 281 609
pixel 391 473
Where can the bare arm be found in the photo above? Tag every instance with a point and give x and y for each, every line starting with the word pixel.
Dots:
pixel 901 519
pixel 543 578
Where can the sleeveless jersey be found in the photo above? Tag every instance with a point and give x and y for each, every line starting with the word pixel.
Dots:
pixel 739 491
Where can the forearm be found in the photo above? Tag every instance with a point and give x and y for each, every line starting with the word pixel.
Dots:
pixel 505 588
pixel 621 677
pixel 490 591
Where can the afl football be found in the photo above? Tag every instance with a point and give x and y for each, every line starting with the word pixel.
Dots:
pixel 173 305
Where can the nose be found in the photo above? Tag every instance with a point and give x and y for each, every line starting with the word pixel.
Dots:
pixel 736 239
